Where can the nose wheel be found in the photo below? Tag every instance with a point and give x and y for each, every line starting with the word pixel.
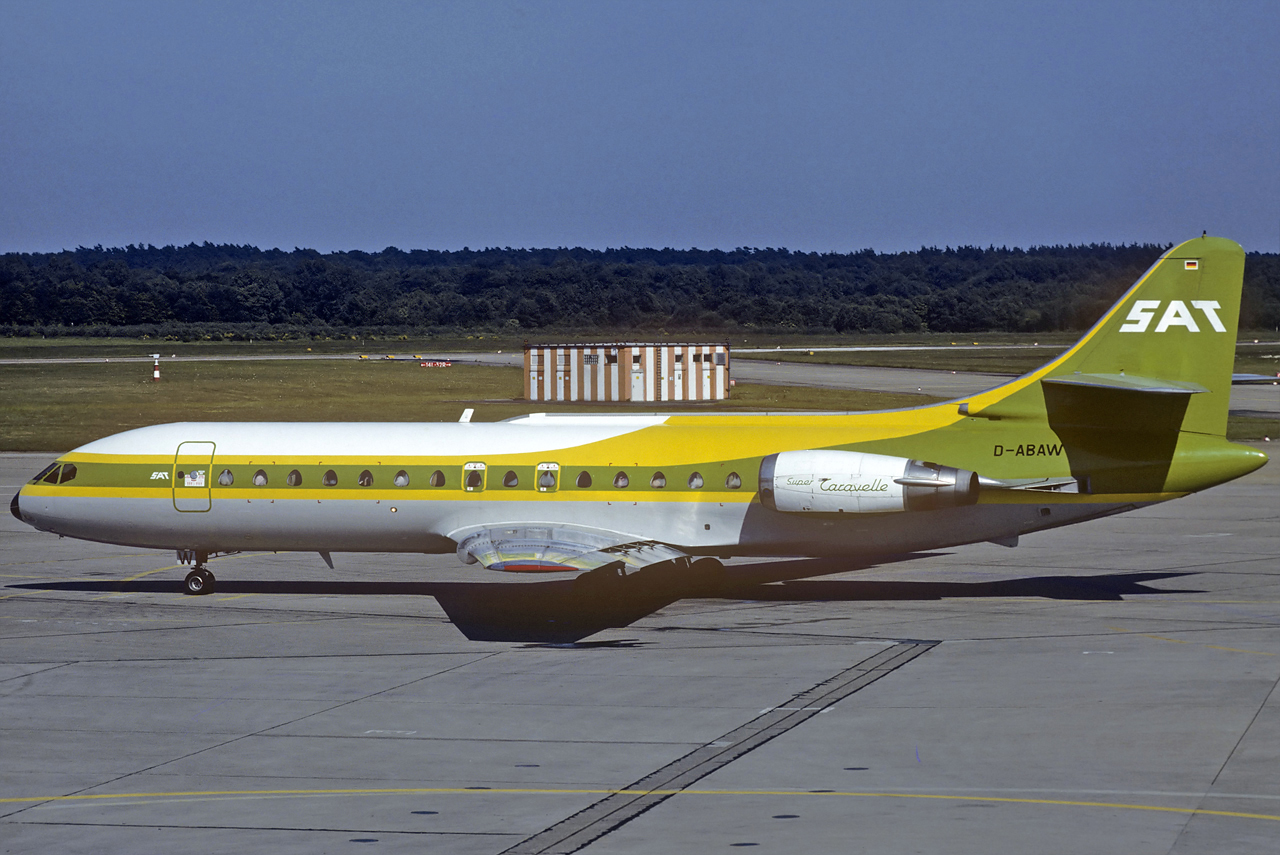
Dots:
pixel 199 581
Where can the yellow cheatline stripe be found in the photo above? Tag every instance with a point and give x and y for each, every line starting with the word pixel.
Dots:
pixel 442 494
pixel 572 791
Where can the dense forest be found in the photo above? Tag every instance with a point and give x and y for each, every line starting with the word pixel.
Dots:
pixel 228 291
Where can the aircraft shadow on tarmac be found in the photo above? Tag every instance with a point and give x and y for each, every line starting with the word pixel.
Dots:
pixel 566 611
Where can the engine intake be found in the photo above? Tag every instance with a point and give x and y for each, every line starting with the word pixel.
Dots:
pixel 852 482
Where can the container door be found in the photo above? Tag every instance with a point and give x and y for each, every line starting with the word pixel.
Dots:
pixel 192 466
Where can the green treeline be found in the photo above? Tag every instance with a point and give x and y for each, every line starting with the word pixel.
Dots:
pixel 230 291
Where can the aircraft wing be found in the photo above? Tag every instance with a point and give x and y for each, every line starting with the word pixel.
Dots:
pixel 529 547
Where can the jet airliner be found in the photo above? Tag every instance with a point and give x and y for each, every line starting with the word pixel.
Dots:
pixel 1134 414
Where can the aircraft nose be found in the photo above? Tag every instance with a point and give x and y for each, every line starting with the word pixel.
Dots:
pixel 13 507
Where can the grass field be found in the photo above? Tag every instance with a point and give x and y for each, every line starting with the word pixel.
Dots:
pixel 958 353
pixel 58 407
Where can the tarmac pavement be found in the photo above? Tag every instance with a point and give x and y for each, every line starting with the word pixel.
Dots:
pixel 1102 688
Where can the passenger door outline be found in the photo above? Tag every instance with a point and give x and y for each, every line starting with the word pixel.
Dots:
pixel 192 493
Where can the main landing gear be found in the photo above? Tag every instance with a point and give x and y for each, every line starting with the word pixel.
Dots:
pixel 199 580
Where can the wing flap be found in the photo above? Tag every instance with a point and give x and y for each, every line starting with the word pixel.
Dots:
pixel 526 548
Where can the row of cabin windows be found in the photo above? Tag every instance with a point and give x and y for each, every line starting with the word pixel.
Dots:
pixel 330 478
pixel 473 480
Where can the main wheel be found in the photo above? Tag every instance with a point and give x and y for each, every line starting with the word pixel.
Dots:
pixel 199 581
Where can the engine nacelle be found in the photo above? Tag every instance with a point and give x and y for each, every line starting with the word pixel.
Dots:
pixel 851 482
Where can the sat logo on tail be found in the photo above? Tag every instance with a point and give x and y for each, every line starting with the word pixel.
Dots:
pixel 1176 314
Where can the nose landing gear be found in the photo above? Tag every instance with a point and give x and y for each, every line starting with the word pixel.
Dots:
pixel 199 580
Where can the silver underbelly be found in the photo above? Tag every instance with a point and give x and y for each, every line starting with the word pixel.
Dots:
pixel 423 526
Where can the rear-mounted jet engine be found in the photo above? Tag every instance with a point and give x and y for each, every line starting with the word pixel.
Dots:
pixel 850 482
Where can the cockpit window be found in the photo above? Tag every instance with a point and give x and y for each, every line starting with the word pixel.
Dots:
pixel 260 478
pixel 68 473
pixel 40 476
pixel 50 474
pixel 226 479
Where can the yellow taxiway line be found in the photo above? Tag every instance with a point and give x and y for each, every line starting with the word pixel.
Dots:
pixel 472 791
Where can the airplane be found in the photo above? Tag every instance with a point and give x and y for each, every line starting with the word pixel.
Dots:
pixel 1132 415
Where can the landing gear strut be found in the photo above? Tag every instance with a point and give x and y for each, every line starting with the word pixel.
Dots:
pixel 199 580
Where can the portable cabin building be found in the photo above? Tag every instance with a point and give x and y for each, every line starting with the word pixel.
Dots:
pixel 626 371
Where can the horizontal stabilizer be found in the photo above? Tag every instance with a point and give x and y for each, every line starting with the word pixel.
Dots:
pixel 1129 383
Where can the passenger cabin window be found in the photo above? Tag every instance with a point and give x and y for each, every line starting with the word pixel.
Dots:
pixel 330 479
pixel 437 479
pixel 260 478
pixel 294 479
pixel 401 479
pixel 658 481
pixel 226 479
pixel 695 481
pixel 548 477
pixel 68 473
pixel 473 477
pixel 584 479
pixel 621 480
pixel 511 479
pixel 365 479
pixel 733 481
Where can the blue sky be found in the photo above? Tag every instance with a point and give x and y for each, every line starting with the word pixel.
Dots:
pixel 809 125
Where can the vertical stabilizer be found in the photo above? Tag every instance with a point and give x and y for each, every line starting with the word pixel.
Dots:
pixel 1172 334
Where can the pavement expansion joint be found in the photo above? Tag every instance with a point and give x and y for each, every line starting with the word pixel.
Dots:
pixel 617 809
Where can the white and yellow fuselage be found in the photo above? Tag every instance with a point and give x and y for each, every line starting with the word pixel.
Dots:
pixel 1135 413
